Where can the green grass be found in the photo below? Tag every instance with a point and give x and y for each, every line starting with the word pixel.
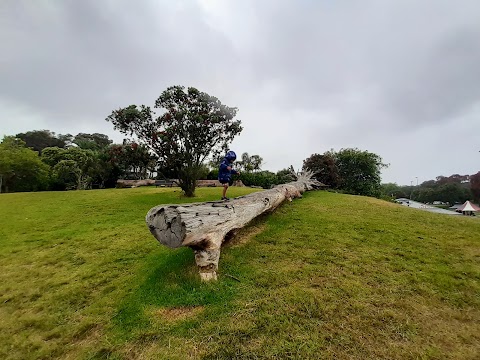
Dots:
pixel 327 276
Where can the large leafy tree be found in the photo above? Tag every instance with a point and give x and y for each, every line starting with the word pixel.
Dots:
pixel 192 126
pixel 67 174
pixel 20 167
pixel 352 170
pixel 104 172
pixel 359 171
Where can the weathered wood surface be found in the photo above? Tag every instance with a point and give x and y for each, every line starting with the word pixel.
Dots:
pixel 203 226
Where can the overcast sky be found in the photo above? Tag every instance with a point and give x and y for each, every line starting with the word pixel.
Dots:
pixel 397 78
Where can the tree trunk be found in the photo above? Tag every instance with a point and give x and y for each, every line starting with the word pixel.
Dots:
pixel 187 179
pixel 203 226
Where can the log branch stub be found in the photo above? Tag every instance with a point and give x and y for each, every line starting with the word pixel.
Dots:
pixel 203 226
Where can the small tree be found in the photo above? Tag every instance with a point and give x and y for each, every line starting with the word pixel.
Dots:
pixel 324 168
pixel 76 161
pixel 250 163
pixel 67 173
pixel 193 126
pixel 256 162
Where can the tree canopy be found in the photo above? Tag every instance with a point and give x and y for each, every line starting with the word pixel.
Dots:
pixel 20 167
pixel 83 161
pixel 38 140
pixel 351 170
pixel 250 163
pixel 359 171
pixel 192 127
pixel 324 168
pixel 88 161
pixel 72 168
pixel 475 186
pixel 133 160
pixel 94 141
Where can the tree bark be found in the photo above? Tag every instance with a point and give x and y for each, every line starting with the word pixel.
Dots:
pixel 203 226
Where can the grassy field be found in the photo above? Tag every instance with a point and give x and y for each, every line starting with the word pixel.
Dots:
pixel 327 276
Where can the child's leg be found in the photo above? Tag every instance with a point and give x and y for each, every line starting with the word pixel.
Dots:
pixel 225 187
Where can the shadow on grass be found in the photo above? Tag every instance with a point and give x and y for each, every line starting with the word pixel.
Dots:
pixel 169 281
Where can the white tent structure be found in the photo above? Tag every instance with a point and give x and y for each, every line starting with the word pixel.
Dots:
pixel 468 208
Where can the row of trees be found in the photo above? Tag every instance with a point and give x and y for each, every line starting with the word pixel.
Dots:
pixel 191 129
pixel 29 162
pixel 358 172
pixel 452 189
pixel 40 160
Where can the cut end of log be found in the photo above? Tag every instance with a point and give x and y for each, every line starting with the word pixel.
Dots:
pixel 165 224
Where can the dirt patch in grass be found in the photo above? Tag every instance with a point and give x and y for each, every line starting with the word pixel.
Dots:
pixel 243 236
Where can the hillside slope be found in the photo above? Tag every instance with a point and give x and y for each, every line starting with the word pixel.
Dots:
pixel 326 276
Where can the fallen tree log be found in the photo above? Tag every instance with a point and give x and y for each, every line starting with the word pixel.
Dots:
pixel 203 226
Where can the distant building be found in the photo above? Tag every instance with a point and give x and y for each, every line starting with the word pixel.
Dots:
pixel 468 208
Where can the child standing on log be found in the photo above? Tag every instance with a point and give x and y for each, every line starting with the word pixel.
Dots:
pixel 226 171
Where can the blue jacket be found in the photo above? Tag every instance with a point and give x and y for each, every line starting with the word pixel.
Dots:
pixel 223 173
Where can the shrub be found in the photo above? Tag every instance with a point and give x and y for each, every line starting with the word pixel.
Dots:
pixel 265 179
pixel 212 175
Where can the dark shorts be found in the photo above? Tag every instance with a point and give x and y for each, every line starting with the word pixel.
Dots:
pixel 224 181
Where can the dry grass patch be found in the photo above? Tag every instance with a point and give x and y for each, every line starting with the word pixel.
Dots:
pixel 244 235
pixel 175 314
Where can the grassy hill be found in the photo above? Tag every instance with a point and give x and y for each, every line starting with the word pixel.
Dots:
pixel 327 276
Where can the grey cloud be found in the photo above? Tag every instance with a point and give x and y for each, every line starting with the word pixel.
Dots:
pixel 95 56
pixel 420 59
pixel 442 86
